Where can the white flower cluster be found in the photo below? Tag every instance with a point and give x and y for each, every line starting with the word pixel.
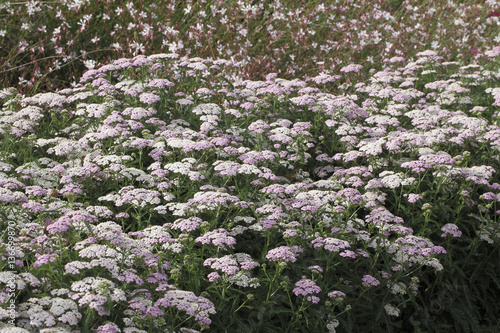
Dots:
pixel 207 109
pixel 393 180
pixel 242 279
pixel 136 197
pixel 137 175
pixel 50 312
pixel 92 110
pixel 183 167
pixel 391 310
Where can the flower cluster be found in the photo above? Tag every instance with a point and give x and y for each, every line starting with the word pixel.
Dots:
pixel 308 288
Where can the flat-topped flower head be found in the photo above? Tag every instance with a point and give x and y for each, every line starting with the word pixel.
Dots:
pixel 217 237
pixel 307 288
pixel 284 254
pixel 450 229
pixel 197 306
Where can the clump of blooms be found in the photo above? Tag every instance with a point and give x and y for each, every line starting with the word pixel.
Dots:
pixel 369 280
pixel 307 288
pixel 84 35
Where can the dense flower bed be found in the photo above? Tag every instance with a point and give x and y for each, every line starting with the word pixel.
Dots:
pixel 161 194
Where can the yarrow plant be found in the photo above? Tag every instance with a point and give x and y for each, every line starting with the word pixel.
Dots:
pixel 162 193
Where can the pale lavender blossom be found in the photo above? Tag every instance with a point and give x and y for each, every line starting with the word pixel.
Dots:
pixel 336 294
pixel 108 328
pixel 73 218
pixel 490 196
pixel 35 190
pixel 217 237
pixel 382 215
pixel 352 194
pixel 138 113
pixel 10 196
pixel 348 254
pixel 187 301
pixel 283 254
pixel 213 276
pixel 330 244
pixel 416 166
pixel 205 91
pixel 186 225
pixel 369 280
pixel 413 197
pixel 313 299
pixel 71 189
pixel 160 83
pixel 351 68
pixel 130 276
pixel 303 100
pixel 211 200
pixel 96 292
pixel 33 206
pixel 44 259
pixel 225 264
pixel 247 105
pixel 258 126
pixel 307 287
pixel 281 134
pixel 450 229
